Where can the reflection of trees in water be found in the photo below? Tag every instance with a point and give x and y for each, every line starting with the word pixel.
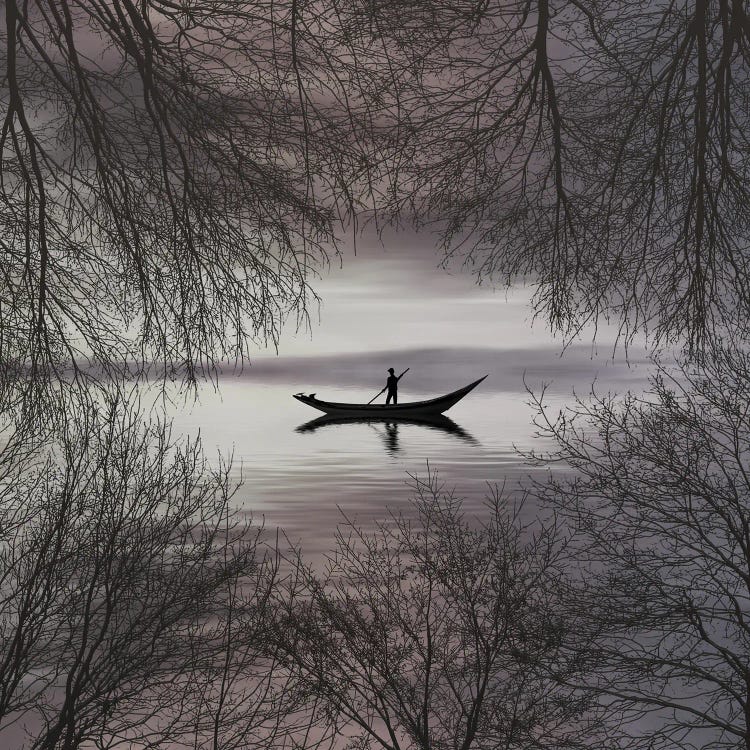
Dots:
pixel 433 631
pixel 660 507
pixel 131 601
pixel 134 604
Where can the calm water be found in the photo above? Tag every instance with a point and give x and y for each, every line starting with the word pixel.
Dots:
pixel 302 479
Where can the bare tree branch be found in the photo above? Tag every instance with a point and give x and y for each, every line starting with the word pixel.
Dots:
pixel 659 501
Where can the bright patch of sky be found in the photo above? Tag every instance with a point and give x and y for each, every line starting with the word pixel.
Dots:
pixel 396 296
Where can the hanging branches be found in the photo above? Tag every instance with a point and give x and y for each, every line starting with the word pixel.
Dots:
pixel 158 161
pixel 597 149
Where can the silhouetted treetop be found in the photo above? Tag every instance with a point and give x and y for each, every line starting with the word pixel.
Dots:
pixel 173 171
pixel 658 500
pixel 598 148
pixel 170 174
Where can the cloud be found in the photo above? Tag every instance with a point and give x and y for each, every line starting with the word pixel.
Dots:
pixel 437 370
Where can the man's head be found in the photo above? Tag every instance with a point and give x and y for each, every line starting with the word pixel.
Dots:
pixel 390 369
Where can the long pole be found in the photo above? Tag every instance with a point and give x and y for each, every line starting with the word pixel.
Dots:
pixel 377 394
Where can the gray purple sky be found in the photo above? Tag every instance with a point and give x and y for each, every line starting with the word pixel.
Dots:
pixel 395 296
pixel 391 304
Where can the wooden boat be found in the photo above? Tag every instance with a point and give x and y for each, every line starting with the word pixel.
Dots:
pixel 427 408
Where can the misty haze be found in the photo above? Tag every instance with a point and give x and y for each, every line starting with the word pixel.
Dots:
pixel 374 375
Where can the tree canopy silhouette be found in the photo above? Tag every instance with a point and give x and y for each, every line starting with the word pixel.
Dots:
pixel 600 149
pixel 133 602
pixel 659 502
pixel 170 175
pixel 438 631
pixel 172 170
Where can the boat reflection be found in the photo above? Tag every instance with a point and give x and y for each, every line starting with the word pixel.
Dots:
pixel 391 427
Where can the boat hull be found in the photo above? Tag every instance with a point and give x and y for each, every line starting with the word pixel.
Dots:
pixel 414 409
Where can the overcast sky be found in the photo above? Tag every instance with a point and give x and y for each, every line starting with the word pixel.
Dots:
pixel 394 296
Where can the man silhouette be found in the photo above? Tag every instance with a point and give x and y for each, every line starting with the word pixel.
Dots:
pixel 392 385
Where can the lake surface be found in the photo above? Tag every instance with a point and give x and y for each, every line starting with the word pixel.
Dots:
pixel 301 479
